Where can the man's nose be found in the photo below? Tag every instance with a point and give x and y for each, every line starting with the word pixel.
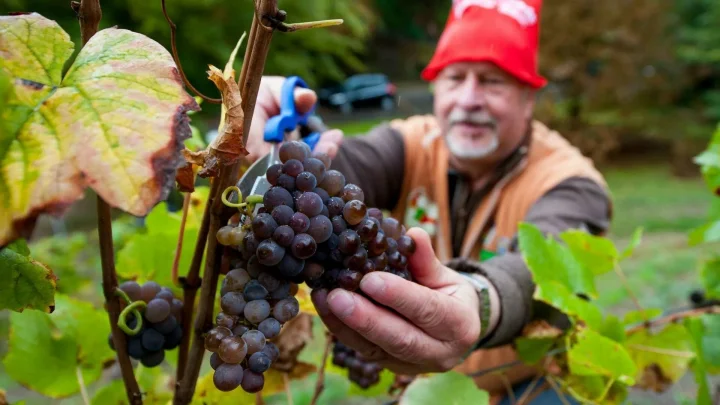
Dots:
pixel 470 94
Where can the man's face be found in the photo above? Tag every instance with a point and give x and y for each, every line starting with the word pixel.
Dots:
pixel 482 110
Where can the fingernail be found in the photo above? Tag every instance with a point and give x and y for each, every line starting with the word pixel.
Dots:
pixel 341 303
pixel 372 284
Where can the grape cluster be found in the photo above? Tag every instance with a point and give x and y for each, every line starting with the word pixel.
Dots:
pixel 361 372
pixel 161 322
pixel 313 227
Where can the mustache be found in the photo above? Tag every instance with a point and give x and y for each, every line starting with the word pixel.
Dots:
pixel 475 118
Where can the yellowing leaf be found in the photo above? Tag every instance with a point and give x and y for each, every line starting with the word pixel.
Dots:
pixel 207 394
pixel 665 354
pixel 116 122
pixel 303 297
pixel 24 282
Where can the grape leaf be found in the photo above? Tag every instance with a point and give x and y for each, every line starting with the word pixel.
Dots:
pixel 152 382
pixel 635 241
pixel 115 122
pixel 595 253
pixel 74 337
pixel 532 350
pixel 670 350
pixel 710 276
pixel 559 297
pixel 711 342
pixel 594 354
pixel 549 261
pixel 709 160
pixel 705 233
pixel 696 329
pixel 24 282
pixel 595 389
pixel 439 388
pixel 636 316
pixel 613 328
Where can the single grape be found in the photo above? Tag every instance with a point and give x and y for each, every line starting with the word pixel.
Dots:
pixel 349 279
pixel 313 270
pixel 292 167
pixel 282 214
pixel 153 358
pixel 339 224
pixel 367 230
pixel 255 341
pixel 272 173
pixel 135 347
pixel 290 266
pixel 287 182
pixel 282 292
pixel 303 246
pixel 264 225
pixel 335 206
pixel 325 212
pixel 270 282
pixel 283 235
pixel 254 291
pixel 368 267
pixel 357 260
pixel 257 311
pixel 323 195
pixel 333 241
pixel 337 256
pixel 235 280
pixel 226 320
pixel 215 361
pixel 255 268
pixel 406 245
pixel 354 212
pixel 333 182
pixel 309 204
pixel 330 276
pixel 320 228
pixel 250 244
pixel 352 192
pixel 232 350
pixel 299 223
pixel 239 330
pixel 377 245
pixel 157 310
pixel 286 309
pixel 380 261
pixel 173 339
pixel 305 181
pixel 392 228
pixel 349 242
pixel 397 260
pixel 293 150
pixel 223 235
pixel 324 158
pixel 252 382
pixel 132 289
pixel 269 253
pixel 152 340
pixel 316 167
pixel 271 351
pixel 228 377
pixel 166 326
pixel 391 245
pixel 177 309
pixel 277 196
pixel 149 290
pixel 237 234
pixel 259 362
pixel 270 327
pixel 233 303
pixel 375 213
pixel 166 294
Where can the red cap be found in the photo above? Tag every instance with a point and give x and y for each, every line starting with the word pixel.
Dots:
pixel 504 32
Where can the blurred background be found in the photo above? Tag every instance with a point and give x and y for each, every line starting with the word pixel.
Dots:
pixel 635 84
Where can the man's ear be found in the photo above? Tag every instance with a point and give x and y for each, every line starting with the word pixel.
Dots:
pixel 530 97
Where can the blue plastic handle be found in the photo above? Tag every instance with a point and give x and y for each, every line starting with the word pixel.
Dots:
pixel 289 119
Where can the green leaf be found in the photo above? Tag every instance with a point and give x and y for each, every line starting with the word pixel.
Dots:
pixel 635 241
pixel 671 350
pixel 709 160
pixel 531 351
pixel 595 389
pixel 450 387
pixel 24 282
pixel 595 253
pixel 706 233
pixel 696 330
pixel 613 328
pixel 594 354
pixel 711 342
pixel 74 336
pixel 636 316
pixel 152 382
pixel 559 297
pixel 115 122
pixel 710 276
pixel 549 261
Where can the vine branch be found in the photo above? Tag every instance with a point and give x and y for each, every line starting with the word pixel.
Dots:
pixel 715 309
pixel 173 44
pixel 181 236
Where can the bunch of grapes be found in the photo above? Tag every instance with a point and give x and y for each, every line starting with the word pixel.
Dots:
pixel 161 327
pixel 314 228
pixel 361 372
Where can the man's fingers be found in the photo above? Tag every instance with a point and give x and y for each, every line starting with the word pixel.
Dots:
pixel 426 269
pixel 304 98
pixel 390 332
pixel 431 311
pixel 329 142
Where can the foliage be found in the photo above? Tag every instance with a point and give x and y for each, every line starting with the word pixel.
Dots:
pixel 25 283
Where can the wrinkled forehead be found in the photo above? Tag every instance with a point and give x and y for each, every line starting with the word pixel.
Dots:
pixel 473 67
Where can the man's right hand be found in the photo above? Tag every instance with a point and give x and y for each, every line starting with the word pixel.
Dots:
pixel 268 105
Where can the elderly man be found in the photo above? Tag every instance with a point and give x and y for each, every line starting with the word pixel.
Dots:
pixel 462 179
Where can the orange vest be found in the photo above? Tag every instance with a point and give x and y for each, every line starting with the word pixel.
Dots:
pixel 425 203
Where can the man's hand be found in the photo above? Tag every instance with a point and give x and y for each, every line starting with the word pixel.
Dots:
pixel 428 325
pixel 268 105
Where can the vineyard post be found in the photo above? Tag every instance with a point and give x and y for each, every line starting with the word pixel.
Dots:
pixel 89 15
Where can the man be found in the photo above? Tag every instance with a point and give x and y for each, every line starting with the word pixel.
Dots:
pixel 461 180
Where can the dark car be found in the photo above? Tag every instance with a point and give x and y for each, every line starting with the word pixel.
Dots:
pixel 368 89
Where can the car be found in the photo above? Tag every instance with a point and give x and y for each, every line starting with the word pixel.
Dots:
pixel 367 89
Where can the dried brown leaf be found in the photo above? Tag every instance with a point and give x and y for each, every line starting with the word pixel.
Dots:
pixel 294 336
pixel 541 329
pixel 654 379
pixel 185 177
pixel 228 146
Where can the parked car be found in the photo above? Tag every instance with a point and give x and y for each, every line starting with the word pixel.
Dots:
pixel 367 89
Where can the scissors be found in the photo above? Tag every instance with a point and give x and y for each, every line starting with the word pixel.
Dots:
pixel 277 130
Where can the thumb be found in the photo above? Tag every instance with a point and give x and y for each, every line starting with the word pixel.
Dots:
pixel 424 266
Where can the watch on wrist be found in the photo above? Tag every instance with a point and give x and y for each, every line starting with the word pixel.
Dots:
pixel 483 292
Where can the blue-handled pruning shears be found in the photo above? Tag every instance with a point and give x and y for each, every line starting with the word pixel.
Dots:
pixel 277 130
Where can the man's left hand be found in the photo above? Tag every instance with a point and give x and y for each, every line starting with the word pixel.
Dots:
pixel 425 325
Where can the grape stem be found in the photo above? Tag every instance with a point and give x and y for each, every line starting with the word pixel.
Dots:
pixel 320 384
pixel 181 236
pixel 288 393
pixel 89 15
pixel 122 320
pixel 81 383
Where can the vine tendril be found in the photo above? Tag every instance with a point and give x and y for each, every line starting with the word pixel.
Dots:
pixel 122 324
pixel 232 204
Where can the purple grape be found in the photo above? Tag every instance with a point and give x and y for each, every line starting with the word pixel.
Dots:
pixel 309 204
pixel 270 327
pixel 299 223
pixel 323 194
pixel 290 266
pixel 254 291
pixel 367 230
pixel 273 173
pixel 320 228
pixel 406 246
pixel 354 212
pixel 282 214
pixel 263 225
pixel 277 196
pixel 257 311
pixel 352 192
pixel 303 246
pixel 287 182
pixel 349 242
pixel 335 206
pixel 333 182
pixel 293 150
pixel 269 253
pixel 283 235
pixel 392 228
pixel 339 224
pixel 306 181
pixel 259 362
pixel 316 167
pixel 375 213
